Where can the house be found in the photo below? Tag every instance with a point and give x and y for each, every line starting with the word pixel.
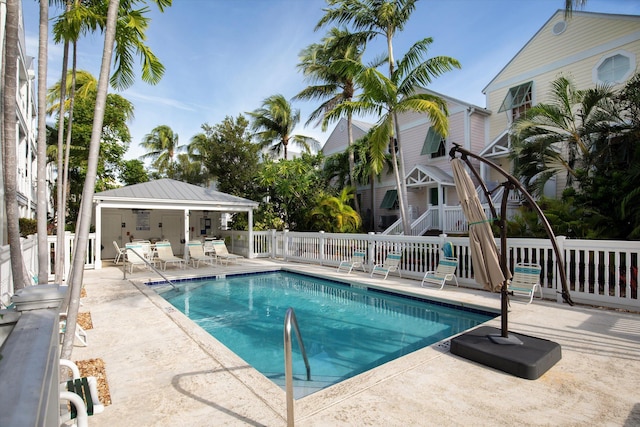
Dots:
pixel 593 48
pixel 590 48
pixel 26 131
pixel 430 184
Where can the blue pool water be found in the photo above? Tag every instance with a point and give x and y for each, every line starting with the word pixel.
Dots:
pixel 346 330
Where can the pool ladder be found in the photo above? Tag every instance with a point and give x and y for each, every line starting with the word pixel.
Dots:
pixel 289 321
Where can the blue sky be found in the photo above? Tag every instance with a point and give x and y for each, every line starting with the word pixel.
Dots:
pixel 223 57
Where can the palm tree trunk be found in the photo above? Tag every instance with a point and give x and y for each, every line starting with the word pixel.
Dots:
pixel 9 127
pixel 402 193
pixel 41 214
pixel 352 161
pixel 86 206
pixel 61 213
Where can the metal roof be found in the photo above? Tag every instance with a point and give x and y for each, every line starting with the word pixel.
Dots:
pixel 169 191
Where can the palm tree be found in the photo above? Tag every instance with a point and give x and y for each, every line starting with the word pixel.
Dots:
pixel 373 18
pixel 395 95
pixel 273 124
pixel 84 219
pixel 329 86
pixel 80 17
pixel 559 136
pixel 42 209
pixel 9 127
pixel 335 215
pixel 162 147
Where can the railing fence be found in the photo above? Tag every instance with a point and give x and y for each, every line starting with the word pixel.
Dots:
pixel 599 272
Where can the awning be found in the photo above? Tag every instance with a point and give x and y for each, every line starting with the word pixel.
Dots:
pixel 390 199
pixel 431 142
pixel 516 97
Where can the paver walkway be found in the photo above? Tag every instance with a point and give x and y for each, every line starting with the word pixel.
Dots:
pixel 164 371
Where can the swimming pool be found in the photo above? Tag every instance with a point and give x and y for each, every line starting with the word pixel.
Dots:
pixel 346 329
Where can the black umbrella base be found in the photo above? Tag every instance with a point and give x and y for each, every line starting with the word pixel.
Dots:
pixel 520 355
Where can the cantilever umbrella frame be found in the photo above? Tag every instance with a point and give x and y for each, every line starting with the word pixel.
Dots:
pixel 512 354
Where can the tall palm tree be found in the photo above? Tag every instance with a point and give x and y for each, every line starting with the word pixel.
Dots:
pixel 86 206
pixel 559 136
pixel 329 86
pixel 9 126
pixel 42 205
pixel 162 148
pixel 373 18
pixel 273 124
pixel 395 95
pixel 83 16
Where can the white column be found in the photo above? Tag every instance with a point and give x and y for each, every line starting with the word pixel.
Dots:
pixel 98 251
pixel 187 228
pixel 250 221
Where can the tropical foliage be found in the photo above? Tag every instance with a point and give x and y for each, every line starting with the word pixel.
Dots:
pixel 335 215
pixel 590 137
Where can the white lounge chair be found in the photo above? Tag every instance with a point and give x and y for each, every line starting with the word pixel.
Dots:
pixel 82 393
pixel 444 272
pixel 80 333
pixel 197 255
pixel 222 253
pixel 356 261
pixel 166 256
pixel 133 256
pixel 525 280
pixel 391 263
pixel 120 253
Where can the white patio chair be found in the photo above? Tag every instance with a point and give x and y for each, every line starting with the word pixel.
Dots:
pixel 356 261
pixel 391 263
pixel 525 280
pixel 444 272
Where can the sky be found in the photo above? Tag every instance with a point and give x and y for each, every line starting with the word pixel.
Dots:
pixel 224 57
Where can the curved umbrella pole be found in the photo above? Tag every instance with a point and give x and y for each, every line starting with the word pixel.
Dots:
pixel 514 183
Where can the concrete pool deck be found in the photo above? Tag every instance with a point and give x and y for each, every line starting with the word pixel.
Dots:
pixel 163 370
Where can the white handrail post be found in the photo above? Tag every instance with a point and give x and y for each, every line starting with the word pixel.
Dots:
pixel 556 276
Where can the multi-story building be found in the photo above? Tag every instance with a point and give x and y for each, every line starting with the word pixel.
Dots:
pixel 26 130
pixel 592 48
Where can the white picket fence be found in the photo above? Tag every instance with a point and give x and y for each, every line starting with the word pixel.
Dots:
pixel 598 272
pixel 30 257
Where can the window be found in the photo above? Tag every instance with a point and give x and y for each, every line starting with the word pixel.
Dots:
pixel 434 144
pixel 518 100
pixel 390 200
pixel 614 68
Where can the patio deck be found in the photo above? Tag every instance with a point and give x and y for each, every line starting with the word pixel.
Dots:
pixel 164 370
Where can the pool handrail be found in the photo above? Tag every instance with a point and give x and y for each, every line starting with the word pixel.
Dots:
pixel 289 321
pixel 142 257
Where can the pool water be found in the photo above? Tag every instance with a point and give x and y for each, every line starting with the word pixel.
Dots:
pixel 346 330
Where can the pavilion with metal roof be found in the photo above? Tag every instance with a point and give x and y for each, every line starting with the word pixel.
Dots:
pixel 163 209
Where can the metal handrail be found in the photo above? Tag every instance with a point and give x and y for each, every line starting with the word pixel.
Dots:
pixel 142 257
pixel 290 320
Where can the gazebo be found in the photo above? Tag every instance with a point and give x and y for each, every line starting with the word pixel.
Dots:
pixel 163 209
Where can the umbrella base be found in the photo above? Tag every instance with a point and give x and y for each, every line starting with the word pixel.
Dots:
pixel 528 359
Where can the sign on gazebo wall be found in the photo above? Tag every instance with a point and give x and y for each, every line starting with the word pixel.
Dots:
pixel 143 222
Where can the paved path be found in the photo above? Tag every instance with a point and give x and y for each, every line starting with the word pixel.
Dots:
pixel 164 371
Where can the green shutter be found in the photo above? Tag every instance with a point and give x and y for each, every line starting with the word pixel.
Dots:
pixel 389 200
pixel 431 142
pixel 516 97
